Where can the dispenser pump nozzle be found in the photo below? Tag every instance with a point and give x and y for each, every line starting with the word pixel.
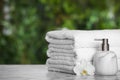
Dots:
pixel 105 44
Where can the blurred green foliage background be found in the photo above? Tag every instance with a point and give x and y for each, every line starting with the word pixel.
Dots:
pixel 22 36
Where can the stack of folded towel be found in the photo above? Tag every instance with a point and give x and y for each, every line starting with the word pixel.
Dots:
pixel 62 56
pixel 68 47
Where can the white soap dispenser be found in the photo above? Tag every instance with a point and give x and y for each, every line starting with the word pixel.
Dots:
pixel 105 61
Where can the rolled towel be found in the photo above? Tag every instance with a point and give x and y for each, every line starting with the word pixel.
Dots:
pixel 59 46
pixel 85 38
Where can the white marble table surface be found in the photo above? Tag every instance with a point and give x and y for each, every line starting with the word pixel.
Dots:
pixel 39 72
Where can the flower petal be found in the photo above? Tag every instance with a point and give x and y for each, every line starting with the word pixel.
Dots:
pixel 77 69
pixel 90 69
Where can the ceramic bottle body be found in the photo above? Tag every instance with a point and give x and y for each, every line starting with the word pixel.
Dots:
pixel 105 63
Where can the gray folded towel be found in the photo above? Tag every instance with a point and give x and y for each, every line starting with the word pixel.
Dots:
pixel 62 62
pixel 60 41
pixel 61 50
pixel 60 70
pixel 61 34
pixel 59 66
pixel 59 46
pixel 63 58
pixel 52 54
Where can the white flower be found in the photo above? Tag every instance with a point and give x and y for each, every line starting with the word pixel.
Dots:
pixel 84 68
